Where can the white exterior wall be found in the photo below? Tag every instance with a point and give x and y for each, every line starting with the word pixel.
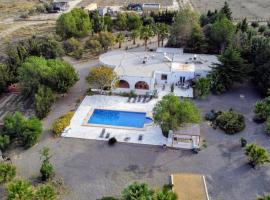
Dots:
pixel 158 79
pixel 132 80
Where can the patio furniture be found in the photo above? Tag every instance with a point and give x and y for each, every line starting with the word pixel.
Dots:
pixel 149 99
pixel 139 98
pixel 129 99
pixel 102 133
pixel 140 137
pixel 135 98
pixel 144 99
pixel 107 135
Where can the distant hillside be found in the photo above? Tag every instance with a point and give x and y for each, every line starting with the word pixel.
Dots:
pixel 241 8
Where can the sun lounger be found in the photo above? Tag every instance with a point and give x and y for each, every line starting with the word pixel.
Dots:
pixel 107 135
pixel 139 98
pixel 144 99
pixel 102 133
pixel 149 99
pixel 129 98
pixel 135 98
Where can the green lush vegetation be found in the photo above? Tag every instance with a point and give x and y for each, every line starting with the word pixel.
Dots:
pixel 27 131
pixel 231 122
pixel 256 155
pixel 143 191
pixel 264 197
pixel 170 113
pixel 61 123
pixel 7 172
pixel 46 170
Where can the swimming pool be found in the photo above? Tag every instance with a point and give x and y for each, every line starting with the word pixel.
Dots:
pixel 119 118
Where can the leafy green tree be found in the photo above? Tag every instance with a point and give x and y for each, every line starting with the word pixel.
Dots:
pixel 44 98
pixel 102 77
pixel 222 32
pixel 31 133
pixel 182 27
pixel 170 113
pixel 7 172
pixel 98 22
pixel 53 73
pixel 120 38
pixel 75 23
pixel 145 34
pixel 4 78
pixel 202 87
pixel 13 125
pixel 196 43
pixel 137 191
pixel 121 21
pixel 134 21
pixel 264 197
pixel 4 142
pixel 256 154
pixel 20 190
pixel 226 10
pixel 45 192
pixel 134 35
pixel 231 69
pixel 106 39
pixel 46 169
pixel 162 32
pixel 108 23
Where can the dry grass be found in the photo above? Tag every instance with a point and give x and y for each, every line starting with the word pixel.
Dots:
pixel 241 8
pixel 13 8
pixel 124 2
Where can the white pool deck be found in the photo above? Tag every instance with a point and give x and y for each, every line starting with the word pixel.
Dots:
pixel 152 135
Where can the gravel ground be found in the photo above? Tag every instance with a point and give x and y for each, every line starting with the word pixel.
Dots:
pixel 91 169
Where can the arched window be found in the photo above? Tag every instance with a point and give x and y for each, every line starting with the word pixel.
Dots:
pixel 123 84
pixel 141 85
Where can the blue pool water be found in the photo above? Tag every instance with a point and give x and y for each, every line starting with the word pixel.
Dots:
pixel 119 118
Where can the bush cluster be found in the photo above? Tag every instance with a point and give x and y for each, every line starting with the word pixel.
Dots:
pixel 7 172
pixel 231 122
pixel 61 123
pixel 16 126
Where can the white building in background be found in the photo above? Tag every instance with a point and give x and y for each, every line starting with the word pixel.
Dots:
pixel 150 72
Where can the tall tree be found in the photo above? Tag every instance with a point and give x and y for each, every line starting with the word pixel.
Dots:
pixel 133 21
pixel 120 38
pixel 162 32
pixel 134 35
pixel 75 23
pixel 44 99
pixel 98 22
pixel 121 21
pixel 182 27
pixel 145 34
pixel 230 69
pixel 196 43
pixel 226 10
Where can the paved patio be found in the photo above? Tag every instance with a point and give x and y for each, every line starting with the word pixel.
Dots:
pixel 151 135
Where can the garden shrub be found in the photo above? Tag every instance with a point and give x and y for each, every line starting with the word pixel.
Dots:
pixel 7 172
pixel 4 142
pixel 46 169
pixel 108 198
pixel 262 110
pixel 256 154
pixel 45 192
pixel 112 141
pixel 20 190
pixel 267 126
pixel 61 123
pixel 230 122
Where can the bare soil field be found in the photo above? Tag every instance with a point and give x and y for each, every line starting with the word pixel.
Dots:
pixel 14 8
pixel 250 9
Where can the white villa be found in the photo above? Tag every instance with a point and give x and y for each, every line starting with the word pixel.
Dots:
pixel 150 72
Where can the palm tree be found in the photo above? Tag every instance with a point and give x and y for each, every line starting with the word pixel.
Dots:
pixel 137 191
pixel 120 38
pixel 163 32
pixel 134 35
pixel 146 33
